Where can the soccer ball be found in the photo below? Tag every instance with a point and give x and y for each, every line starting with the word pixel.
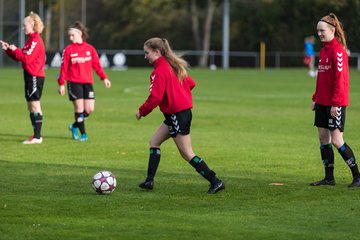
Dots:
pixel 104 182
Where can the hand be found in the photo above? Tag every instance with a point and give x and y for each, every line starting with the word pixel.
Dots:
pixel 334 112
pixel 313 106
pixel 62 90
pixel 4 45
pixel 107 83
pixel 12 47
pixel 138 116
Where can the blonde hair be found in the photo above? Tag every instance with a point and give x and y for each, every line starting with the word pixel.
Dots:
pixel 38 23
pixel 178 64
pixel 334 22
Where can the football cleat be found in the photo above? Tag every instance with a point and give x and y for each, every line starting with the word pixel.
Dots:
pixel 74 132
pixel 214 188
pixel 147 184
pixel 83 137
pixel 355 183
pixel 323 182
pixel 33 140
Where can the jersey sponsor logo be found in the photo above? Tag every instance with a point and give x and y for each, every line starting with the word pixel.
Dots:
pixel 323 65
pixel 80 59
pixel 323 68
pixel 74 54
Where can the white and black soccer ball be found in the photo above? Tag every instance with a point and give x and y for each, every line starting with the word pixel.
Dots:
pixel 104 182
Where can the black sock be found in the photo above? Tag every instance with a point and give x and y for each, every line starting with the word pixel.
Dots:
pixel 202 168
pixel 75 123
pixel 79 120
pixel 36 121
pixel 327 156
pixel 349 158
pixel 154 160
pixel 32 119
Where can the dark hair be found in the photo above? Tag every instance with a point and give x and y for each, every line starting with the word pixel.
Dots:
pixel 334 22
pixel 78 25
pixel 178 64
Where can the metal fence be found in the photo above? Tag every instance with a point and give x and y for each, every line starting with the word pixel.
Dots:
pixel 135 58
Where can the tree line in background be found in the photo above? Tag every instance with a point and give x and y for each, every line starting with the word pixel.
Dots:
pixel 196 24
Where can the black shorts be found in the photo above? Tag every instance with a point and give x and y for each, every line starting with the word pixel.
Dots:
pixel 33 87
pixel 323 118
pixel 179 122
pixel 80 91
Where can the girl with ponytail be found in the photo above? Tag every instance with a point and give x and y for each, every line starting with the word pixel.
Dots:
pixel 331 98
pixel 170 89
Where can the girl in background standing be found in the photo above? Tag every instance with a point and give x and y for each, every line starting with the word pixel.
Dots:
pixel 331 98
pixel 32 57
pixel 78 60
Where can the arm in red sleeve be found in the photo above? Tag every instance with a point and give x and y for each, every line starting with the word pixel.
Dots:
pixel 36 48
pixel 96 65
pixel 191 82
pixel 10 53
pixel 157 89
pixel 64 67
pixel 340 71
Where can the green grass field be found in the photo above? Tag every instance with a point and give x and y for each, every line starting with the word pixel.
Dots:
pixel 253 128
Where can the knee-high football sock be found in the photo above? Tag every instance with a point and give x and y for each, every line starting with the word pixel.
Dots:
pixel 38 125
pixel 327 156
pixel 202 168
pixel 75 123
pixel 154 159
pixel 79 120
pixel 32 119
pixel 36 122
pixel 348 156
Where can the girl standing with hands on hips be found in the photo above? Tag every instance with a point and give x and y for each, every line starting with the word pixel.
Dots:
pixel 78 60
pixel 170 89
pixel 331 98
pixel 32 57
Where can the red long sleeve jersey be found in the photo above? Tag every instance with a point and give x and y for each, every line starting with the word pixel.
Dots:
pixel 332 85
pixel 166 91
pixel 32 55
pixel 78 61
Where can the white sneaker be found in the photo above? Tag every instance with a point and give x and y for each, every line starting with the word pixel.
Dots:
pixel 33 140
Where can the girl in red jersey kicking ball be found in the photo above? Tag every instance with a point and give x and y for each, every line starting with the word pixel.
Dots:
pixel 78 60
pixel 32 57
pixel 170 89
pixel 331 98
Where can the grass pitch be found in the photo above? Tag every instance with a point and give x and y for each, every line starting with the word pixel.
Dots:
pixel 253 128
